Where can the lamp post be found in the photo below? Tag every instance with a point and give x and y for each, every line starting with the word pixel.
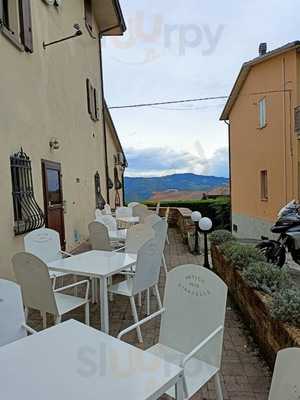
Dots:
pixel 196 217
pixel 205 225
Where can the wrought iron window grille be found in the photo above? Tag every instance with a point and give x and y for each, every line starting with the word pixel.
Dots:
pixel 100 202
pixel 28 215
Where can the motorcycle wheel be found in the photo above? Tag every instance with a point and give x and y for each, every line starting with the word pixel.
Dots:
pixel 274 254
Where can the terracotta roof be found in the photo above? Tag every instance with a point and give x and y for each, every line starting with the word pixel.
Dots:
pixel 246 67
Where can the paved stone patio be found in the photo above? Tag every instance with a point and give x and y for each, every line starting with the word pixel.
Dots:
pixel 245 375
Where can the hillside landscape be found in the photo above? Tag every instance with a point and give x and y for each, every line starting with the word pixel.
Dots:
pixel 173 187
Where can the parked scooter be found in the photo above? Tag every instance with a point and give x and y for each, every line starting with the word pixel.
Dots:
pixel 288 228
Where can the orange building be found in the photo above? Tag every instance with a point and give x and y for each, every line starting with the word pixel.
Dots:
pixel 263 118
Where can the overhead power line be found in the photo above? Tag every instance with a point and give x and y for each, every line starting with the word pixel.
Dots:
pixel 169 102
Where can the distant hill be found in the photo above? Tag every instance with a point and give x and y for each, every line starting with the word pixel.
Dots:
pixel 140 189
pixel 188 195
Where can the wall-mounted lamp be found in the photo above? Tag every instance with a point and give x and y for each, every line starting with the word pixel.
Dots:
pixel 77 33
pixel 54 144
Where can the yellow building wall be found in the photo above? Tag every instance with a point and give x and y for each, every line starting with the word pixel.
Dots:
pixel 273 148
pixel 44 95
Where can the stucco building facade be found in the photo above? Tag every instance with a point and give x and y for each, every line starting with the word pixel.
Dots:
pixel 53 110
pixel 263 120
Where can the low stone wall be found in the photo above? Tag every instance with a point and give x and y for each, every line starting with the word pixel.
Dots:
pixel 271 335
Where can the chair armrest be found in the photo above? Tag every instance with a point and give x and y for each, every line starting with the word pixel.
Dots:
pixel 65 253
pixel 85 282
pixel 201 345
pixel 141 322
pixel 29 329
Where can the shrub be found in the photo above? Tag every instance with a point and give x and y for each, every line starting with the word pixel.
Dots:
pixel 218 210
pixel 286 306
pixel 266 277
pixel 241 256
pixel 221 236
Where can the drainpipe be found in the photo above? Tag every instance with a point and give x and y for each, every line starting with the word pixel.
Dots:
pixel 103 120
pixel 230 184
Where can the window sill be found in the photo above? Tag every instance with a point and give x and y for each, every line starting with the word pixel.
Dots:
pixel 265 200
pixel 11 37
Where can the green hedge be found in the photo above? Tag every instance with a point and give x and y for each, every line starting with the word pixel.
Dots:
pixel 218 210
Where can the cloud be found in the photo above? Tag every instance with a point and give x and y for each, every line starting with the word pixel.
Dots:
pixel 158 161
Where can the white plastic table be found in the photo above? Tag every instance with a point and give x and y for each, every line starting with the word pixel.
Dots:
pixel 100 265
pixel 74 361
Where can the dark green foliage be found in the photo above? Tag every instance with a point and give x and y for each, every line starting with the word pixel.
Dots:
pixel 218 210
pixel 266 277
pixel 286 306
pixel 241 256
pixel 220 237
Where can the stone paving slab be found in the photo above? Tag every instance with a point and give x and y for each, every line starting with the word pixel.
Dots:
pixel 245 376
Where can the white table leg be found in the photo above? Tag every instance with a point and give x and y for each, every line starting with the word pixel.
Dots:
pixel 179 392
pixel 104 305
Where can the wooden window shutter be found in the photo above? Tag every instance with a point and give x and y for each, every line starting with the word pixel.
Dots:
pixel 26 25
pixel 97 110
pixel 297 119
pixel 88 14
pixel 89 106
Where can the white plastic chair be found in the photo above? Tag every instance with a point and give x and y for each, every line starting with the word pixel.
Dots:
pixel 13 326
pixel 285 382
pixel 157 208
pixel 132 204
pixel 107 209
pixel 109 221
pixel 45 244
pixel 33 276
pixel 152 219
pixel 146 276
pixel 98 213
pixel 123 212
pixel 192 325
pixel 99 236
pixel 141 211
pixel 166 218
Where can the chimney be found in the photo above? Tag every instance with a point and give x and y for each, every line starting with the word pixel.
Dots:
pixel 263 49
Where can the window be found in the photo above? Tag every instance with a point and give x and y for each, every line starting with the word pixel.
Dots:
pixel 27 214
pixel 100 202
pixel 264 193
pixel 15 23
pixel 92 101
pixel 297 120
pixel 262 113
pixel 88 16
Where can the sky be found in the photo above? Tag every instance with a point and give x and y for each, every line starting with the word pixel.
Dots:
pixel 185 49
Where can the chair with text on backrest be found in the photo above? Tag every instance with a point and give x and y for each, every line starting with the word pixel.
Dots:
pixel 285 382
pixel 45 244
pixel 12 318
pixel 192 325
pixel 146 276
pixel 33 276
